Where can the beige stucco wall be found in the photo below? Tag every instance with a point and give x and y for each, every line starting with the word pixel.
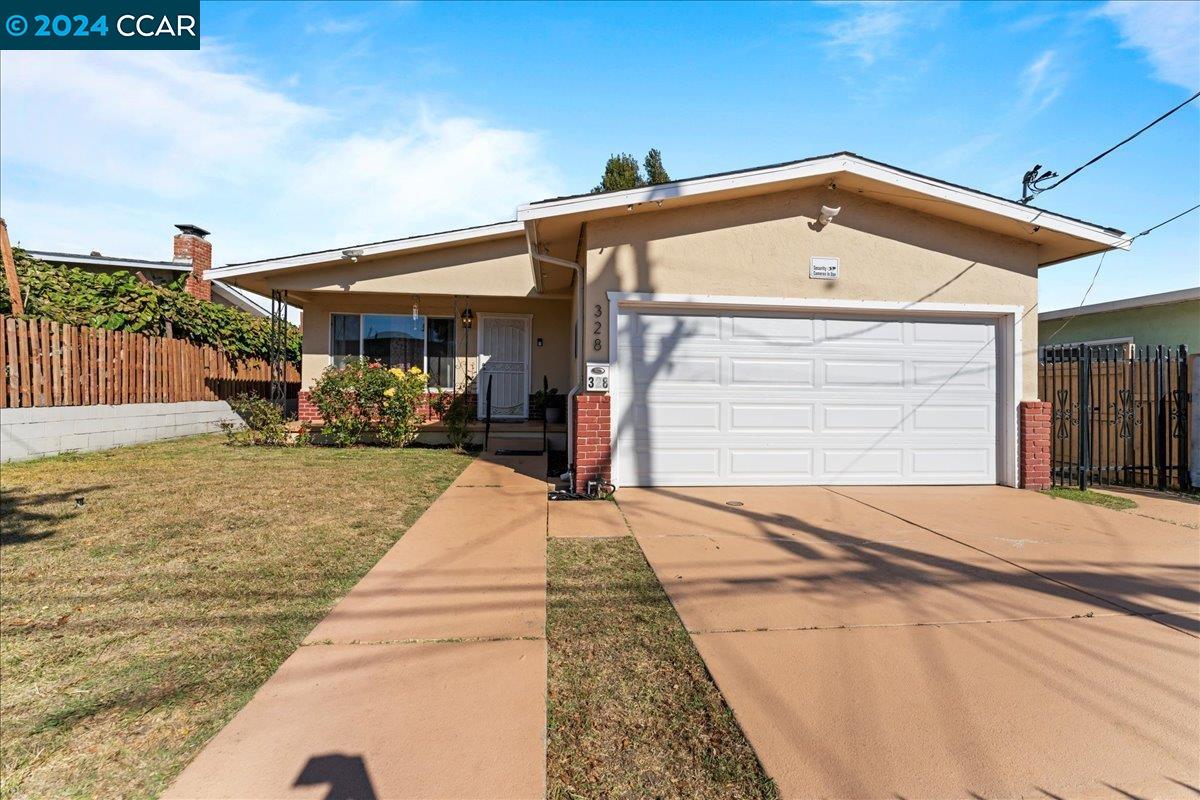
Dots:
pixel 500 268
pixel 761 246
pixel 551 322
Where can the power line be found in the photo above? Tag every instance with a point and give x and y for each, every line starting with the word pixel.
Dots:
pixel 1096 274
pixel 1029 183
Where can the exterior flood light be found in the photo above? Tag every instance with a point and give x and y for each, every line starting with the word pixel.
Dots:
pixel 827 214
pixel 352 253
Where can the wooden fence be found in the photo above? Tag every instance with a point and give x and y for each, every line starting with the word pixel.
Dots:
pixel 49 364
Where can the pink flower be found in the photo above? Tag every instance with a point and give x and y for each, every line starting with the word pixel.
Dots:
pixel 375 365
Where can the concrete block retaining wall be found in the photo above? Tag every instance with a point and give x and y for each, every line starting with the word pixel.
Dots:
pixel 32 432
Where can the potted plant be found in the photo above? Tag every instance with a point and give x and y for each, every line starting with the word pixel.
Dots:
pixel 545 403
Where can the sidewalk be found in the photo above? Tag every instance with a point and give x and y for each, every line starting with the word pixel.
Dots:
pixel 427 680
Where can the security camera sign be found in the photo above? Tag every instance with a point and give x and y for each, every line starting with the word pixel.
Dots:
pixel 823 268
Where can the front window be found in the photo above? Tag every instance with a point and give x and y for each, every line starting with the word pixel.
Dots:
pixel 394 340
pixel 345 342
pixel 397 340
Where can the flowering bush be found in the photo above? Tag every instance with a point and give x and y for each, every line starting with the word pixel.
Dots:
pixel 362 400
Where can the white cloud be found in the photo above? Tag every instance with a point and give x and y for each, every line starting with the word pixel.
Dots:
pixel 966 152
pixel 1167 31
pixel 1042 81
pixel 872 30
pixel 108 150
pixel 332 26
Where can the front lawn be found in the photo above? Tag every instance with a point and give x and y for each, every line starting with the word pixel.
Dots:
pixel 633 712
pixel 148 591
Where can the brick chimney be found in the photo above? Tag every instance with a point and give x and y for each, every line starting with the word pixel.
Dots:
pixel 192 247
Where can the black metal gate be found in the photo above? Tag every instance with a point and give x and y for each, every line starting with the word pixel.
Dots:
pixel 1120 415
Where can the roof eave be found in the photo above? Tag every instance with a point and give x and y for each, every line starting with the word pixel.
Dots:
pixel 1108 238
pixel 392 247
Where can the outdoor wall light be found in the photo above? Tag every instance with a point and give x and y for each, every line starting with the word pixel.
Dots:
pixel 467 318
pixel 827 214
pixel 416 309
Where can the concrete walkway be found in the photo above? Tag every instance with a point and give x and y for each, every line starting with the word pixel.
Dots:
pixel 940 641
pixel 427 680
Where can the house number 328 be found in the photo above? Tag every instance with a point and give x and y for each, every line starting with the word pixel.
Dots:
pixel 596 327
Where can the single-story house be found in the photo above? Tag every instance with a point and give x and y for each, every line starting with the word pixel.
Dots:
pixel 192 255
pixel 830 320
pixel 1167 318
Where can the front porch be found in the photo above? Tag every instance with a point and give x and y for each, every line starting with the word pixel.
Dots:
pixel 519 434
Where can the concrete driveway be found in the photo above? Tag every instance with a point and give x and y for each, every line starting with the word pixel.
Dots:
pixel 940 642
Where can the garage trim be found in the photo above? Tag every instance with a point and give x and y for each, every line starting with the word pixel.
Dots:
pixel 1008 333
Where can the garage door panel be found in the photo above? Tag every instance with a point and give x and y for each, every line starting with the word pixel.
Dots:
pixel 681 369
pixel 962 417
pixel 667 416
pixel 682 462
pixel 864 373
pixel 781 418
pixel 868 331
pixel 953 332
pixel 863 462
pixel 951 461
pixel 776 399
pixel 677 326
pixel 773 462
pixel 772 332
pixel 797 372
pixel 852 417
pixel 978 374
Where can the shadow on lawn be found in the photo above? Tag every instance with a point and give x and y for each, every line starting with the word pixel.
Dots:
pixel 27 516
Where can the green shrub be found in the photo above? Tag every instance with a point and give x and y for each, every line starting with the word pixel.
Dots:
pixel 455 412
pixel 362 400
pixel 264 420
pixel 121 301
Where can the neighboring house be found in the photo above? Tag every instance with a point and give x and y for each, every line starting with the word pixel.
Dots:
pixel 192 255
pixel 1169 318
pixel 831 320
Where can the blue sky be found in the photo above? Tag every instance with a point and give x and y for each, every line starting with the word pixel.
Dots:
pixel 309 125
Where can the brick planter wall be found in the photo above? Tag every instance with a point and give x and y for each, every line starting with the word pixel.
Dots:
pixel 593 458
pixel 1035 444
pixel 307 411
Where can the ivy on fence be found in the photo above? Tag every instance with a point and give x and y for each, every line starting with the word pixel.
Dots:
pixel 122 301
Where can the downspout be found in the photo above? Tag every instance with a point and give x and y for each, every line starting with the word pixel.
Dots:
pixel 577 268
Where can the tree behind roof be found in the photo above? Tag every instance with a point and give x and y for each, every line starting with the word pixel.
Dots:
pixel 623 172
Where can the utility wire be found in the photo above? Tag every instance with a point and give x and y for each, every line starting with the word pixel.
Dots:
pixel 1029 184
pixel 1096 274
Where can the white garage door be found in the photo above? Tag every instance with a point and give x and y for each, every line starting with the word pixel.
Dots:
pixel 750 398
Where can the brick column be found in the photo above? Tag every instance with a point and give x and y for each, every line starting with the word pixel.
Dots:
pixel 593 458
pixel 306 411
pixel 1035 444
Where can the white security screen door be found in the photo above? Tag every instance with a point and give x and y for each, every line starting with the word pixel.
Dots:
pixel 709 397
pixel 504 365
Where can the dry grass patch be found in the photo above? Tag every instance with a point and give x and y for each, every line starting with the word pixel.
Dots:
pixel 633 712
pixel 148 591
